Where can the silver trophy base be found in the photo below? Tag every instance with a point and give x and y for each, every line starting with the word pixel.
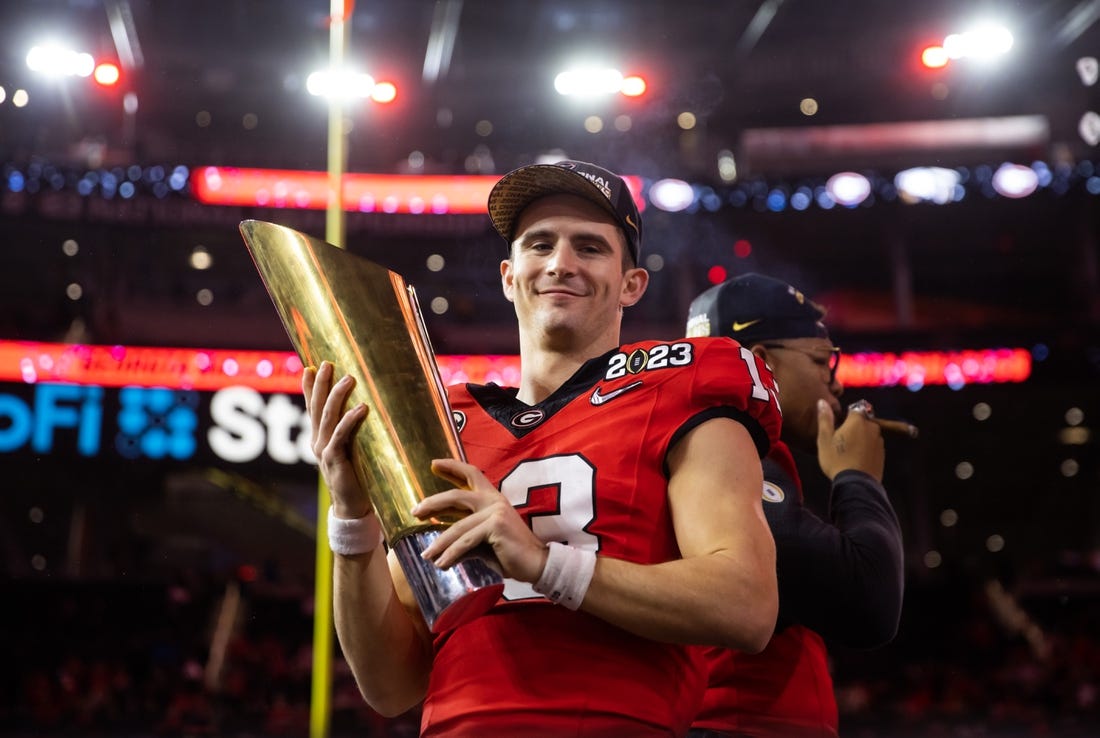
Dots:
pixel 450 597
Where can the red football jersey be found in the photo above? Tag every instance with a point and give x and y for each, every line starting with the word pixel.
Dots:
pixel 587 466
pixel 786 690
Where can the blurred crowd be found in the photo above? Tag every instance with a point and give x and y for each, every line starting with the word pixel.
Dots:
pixel 199 657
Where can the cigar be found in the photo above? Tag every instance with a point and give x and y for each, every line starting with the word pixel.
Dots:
pixel 895 426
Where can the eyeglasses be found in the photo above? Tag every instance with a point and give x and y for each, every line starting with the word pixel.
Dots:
pixel 832 362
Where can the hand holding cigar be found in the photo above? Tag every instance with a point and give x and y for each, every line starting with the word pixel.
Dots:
pixel 865 409
pixel 896 426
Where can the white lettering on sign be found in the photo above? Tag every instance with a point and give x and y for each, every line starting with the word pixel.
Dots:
pixel 245 426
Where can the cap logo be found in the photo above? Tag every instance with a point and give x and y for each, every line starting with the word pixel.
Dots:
pixel 738 327
pixel 597 180
pixel 629 221
pixel 798 296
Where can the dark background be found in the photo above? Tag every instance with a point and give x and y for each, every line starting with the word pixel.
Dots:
pixel 112 587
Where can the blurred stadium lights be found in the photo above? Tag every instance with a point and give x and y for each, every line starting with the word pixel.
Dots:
pixel 587 82
pixel 1089 127
pixel 848 188
pixel 346 84
pixel 55 60
pixel 671 195
pixel 985 42
pixel 634 86
pixel 876 144
pixel 927 184
pixel 1088 69
pixel 384 92
pixel 1015 180
pixel 727 165
pixel 59 61
pixel 106 74
pixel 934 57
pixel 464 194
pixel 350 85
pixel 552 156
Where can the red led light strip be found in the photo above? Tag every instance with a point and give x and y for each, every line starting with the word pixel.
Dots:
pixel 280 371
pixel 917 368
pixel 117 366
pixel 365 193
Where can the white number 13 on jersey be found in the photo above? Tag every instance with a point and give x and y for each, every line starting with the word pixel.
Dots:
pixel 571 479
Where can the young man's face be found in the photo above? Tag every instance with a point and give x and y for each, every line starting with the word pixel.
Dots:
pixel 801 369
pixel 566 275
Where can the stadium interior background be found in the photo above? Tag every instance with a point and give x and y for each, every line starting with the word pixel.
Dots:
pixel 160 593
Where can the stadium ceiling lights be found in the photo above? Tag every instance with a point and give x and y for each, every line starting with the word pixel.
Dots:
pixel 596 82
pixel 928 184
pixel 848 188
pixel 1015 180
pixel 671 195
pixel 54 60
pixel 985 42
pixel 57 61
pixel 350 85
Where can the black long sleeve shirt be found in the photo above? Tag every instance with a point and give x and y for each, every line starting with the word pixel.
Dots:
pixel 842 577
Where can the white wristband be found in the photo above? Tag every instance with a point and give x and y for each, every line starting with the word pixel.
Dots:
pixel 567 574
pixel 355 536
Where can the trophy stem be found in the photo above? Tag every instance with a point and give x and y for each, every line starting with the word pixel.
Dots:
pixel 449 597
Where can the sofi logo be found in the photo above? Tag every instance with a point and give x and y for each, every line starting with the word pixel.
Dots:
pixel 148 423
pixel 156 423
pixel 56 408
pixel 240 425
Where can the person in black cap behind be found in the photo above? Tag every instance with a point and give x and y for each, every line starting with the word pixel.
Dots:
pixel 618 487
pixel 840 580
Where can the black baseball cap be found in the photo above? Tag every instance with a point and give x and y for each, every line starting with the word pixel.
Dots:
pixel 520 187
pixel 754 308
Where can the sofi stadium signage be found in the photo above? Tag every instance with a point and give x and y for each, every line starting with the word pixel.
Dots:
pixel 244 406
pixel 233 424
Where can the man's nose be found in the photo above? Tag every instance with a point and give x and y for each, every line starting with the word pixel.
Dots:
pixel 562 261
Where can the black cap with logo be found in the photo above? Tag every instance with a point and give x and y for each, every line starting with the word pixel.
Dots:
pixel 754 308
pixel 519 188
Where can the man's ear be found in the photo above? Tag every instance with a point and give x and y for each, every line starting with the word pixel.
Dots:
pixel 764 355
pixel 635 281
pixel 506 280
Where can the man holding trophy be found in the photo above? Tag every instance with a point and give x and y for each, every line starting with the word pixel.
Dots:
pixel 617 488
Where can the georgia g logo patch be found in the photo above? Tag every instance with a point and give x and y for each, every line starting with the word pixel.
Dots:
pixel 528 418
pixel 773 493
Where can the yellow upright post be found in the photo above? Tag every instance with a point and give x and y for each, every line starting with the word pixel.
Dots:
pixel 337 127
pixel 321 698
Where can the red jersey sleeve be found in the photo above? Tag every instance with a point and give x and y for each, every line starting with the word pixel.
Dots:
pixel 732 381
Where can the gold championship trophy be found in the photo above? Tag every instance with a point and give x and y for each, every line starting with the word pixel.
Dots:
pixel 364 319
